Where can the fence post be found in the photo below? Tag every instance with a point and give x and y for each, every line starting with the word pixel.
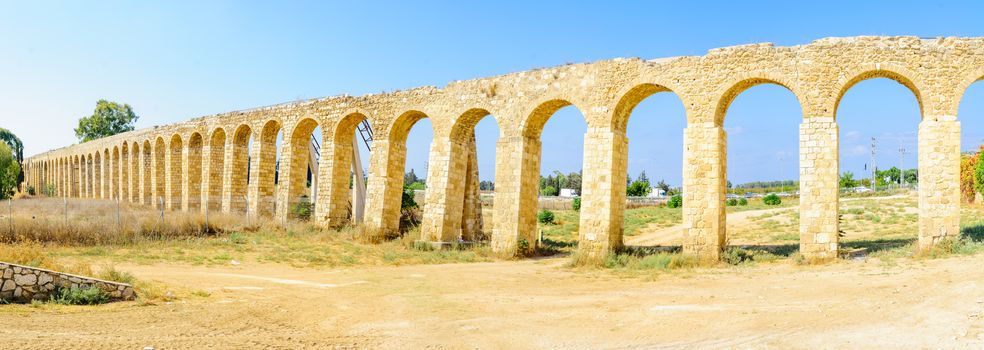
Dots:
pixel 246 199
pixel 161 201
pixel 205 229
pixel 10 214
pixel 64 199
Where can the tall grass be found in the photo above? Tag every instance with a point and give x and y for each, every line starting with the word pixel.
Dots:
pixel 99 222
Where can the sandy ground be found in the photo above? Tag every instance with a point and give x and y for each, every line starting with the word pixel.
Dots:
pixel 530 304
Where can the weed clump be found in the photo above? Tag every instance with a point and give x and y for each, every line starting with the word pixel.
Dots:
pixel 79 296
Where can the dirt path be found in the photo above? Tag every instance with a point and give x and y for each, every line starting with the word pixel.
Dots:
pixel 530 304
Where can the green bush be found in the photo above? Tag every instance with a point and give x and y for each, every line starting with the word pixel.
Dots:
pixel 549 191
pixel 731 202
pixel 302 210
pixel 772 199
pixel 738 256
pixel 742 201
pixel 576 204
pixel 76 296
pixel 545 217
pixel 675 202
pixel 112 274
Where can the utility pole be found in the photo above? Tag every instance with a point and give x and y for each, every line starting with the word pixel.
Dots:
pixel 902 154
pixel 781 184
pixel 874 171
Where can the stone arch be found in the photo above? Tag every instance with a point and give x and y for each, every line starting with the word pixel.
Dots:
pixel 238 182
pixel 146 160
pixel 160 173
pixel 215 176
pixel 296 163
pixel 265 169
pixel 740 86
pixel 532 125
pixel 195 150
pixel 898 74
pixel 961 90
pixel 97 169
pixel 134 160
pixel 400 128
pixel 116 174
pixel 632 96
pixel 337 156
pixel 175 174
pixel 124 184
pixel 463 187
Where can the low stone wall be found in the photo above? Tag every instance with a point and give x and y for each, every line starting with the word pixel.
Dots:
pixel 24 283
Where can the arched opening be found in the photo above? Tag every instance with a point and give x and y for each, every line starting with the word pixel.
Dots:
pixel 146 195
pixel 97 169
pixel 555 146
pixel 160 173
pixel 266 170
pixel 195 144
pixel 239 172
pixel 762 132
pixel 301 173
pixel 124 172
pixel 76 180
pixel 115 170
pixel 970 113
pixel 412 131
pixel 216 170
pixel 879 115
pixel 653 118
pixel 472 169
pixel 346 158
pixel 134 160
pixel 173 185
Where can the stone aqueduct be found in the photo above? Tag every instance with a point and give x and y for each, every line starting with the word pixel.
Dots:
pixel 203 162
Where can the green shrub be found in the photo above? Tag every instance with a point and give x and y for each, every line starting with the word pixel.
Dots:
pixel 738 256
pixel 742 201
pixel 576 204
pixel 302 210
pixel 772 199
pixel 545 217
pixel 76 296
pixel 549 191
pixel 731 202
pixel 237 238
pixel 31 190
pixel 675 202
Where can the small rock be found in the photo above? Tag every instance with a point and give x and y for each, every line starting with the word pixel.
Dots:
pixel 8 285
pixel 8 273
pixel 23 280
pixel 45 278
pixel 17 269
pixel 234 262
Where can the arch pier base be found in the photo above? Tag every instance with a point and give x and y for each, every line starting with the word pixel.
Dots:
pixel 939 180
pixel 603 193
pixel 384 191
pixel 516 188
pixel 819 183
pixel 704 184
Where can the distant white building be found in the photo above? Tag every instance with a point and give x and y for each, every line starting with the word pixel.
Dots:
pixel 568 192
pixel 656 193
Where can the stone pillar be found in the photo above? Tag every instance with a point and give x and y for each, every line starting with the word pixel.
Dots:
pixel 332 208
pixel 123 183
pixel 186 176
pixel 446 173
pixel 261 171
pixel 939 180
pixel 384 188
pixel 517 185
pixel 602 193
pixel 293 173
pixel 704 182
pixel 174 177
pixel 471 216
pixel 227 173
pixel 819 188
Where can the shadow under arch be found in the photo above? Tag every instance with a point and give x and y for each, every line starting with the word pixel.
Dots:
pixel 240 172
pixel 338 206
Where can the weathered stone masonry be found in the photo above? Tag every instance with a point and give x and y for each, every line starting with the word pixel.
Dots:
pixel 25 283
pixel 200 164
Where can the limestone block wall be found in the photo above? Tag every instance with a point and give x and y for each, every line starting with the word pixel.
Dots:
pixel 20 283
pixel 937 71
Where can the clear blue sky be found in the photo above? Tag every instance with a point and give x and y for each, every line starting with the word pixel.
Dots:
pixel 174 60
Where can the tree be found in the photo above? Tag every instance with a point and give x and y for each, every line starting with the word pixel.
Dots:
pixel 663 186
pixel 847 180
pixel 968 165
pixel 17 147
pixel 109 118
pixel 9 169
pixel 638 189
pixel 549 191
pixel 410 177
pixel 642 177
pixel 979 173
pixel 574 181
